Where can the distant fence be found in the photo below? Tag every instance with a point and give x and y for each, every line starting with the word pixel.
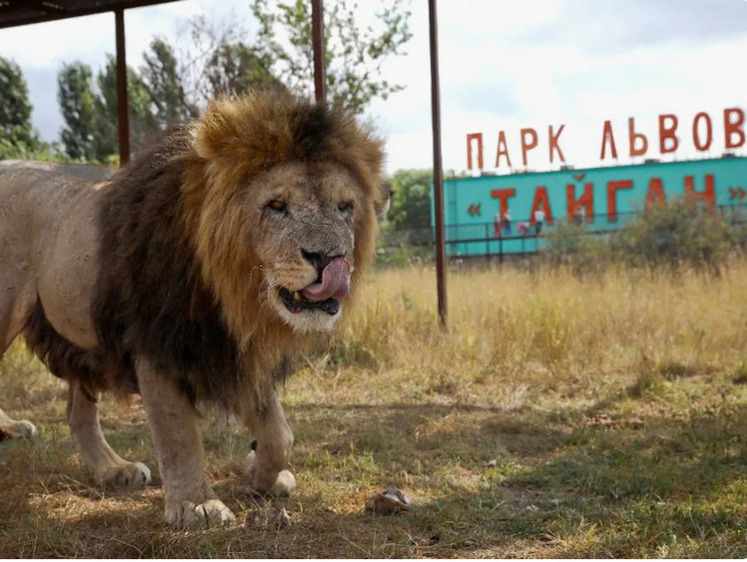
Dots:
pixel 480 240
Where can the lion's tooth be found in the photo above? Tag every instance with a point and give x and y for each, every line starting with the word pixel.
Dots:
pixel 296 296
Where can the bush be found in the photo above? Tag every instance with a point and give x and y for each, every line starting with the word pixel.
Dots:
pixel 570 245
pixel 403 255
pixel 677 235
pixel 669 236
pixel 43 152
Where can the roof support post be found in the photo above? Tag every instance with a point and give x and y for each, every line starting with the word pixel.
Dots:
pixel 317 35
pixel 122 102
pixel 438 175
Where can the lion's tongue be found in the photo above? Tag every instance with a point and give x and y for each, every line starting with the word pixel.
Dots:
pixel 335 282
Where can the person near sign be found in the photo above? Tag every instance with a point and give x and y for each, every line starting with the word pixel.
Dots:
pixel 497 225
pixel 539 220
pixel 507 223
pixel 579 215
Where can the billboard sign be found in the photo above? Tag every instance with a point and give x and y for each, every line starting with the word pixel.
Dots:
pixel 600 198
pixel 699 133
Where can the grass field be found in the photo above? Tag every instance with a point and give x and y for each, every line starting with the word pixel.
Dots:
pixel 613 409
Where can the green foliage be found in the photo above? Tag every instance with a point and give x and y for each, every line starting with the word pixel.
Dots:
pixel 90 109
pixel 407 237
pixel 234 68
pixel 142 122
pixel 411 200
pixel 220 63
pixel 15 109
pixel 568 244
pixel 404 255
pixel 164 85
pixel 78 105
pixel 354 55
pixel 676 235
pixel 671 237
pixel 40 151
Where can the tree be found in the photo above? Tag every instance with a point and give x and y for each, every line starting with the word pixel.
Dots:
pixel 77 104
pixel 15 108
pixel 142 122
pixel 164 85
pixel 218 62
pixel 233 68
pixel 411 201
pixel 91 114
pixel 224 64
pixel 353 55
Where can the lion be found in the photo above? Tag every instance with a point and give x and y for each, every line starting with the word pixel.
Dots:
pixel 190 278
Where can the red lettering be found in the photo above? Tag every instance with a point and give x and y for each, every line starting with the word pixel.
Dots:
pixel 478 138
pixel 708 194
pixel 607 136
pixel 502 195
pixel 554 143
pixel 633 137
pixel 502 150
pixel 541 199
pixel 655 194
pixel 667 132
pixel 696 132
pixel 612 188
pixel 733 127
pixel 585 200
pixel 527 146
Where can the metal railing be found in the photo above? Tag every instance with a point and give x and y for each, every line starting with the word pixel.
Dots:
pixel 479 239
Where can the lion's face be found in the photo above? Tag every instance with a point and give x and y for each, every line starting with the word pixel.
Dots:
pixel 306 221
pixel 280 202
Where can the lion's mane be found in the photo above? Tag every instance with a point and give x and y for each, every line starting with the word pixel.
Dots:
pixel 178 281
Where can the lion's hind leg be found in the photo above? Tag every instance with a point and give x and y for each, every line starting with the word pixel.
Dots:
pixel 15 429
pixel 87 371
pixel 14 308
pixel 109 469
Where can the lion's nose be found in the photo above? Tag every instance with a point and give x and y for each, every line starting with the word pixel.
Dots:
pixel 319 260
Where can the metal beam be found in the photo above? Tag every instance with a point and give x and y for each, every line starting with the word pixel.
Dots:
pixel 317 34
pixel 438 175
pixel 21 12
pixel 122 102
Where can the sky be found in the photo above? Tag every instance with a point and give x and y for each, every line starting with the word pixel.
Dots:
pixel 504 66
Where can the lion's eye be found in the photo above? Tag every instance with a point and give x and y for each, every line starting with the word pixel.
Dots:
pixel 346 206
pixel 277 205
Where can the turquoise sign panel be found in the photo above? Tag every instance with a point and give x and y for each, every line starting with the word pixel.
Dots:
pixel 599 198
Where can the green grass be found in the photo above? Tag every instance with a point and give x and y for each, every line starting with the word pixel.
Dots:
pixel 615 409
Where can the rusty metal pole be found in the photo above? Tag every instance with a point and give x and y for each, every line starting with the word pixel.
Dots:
pixel 122 102
pixel 438 175
pixel 317 34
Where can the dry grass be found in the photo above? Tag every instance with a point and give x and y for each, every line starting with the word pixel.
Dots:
pixel 615 409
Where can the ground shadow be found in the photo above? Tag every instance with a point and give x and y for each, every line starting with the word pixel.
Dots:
pixel 488 482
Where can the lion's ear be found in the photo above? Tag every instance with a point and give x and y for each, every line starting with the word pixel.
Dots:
pixel 215 129
pixel 246 134
pixel 384 199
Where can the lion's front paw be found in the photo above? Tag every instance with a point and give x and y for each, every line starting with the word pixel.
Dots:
pixel 284 485
pixel 262 481
pixel 132 476
pixel 188 514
